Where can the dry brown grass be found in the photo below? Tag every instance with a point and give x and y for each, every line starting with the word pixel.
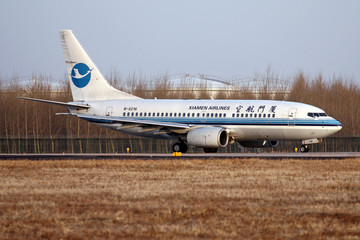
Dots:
pixel 180 198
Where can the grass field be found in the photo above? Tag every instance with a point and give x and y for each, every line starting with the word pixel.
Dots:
pixel 288 199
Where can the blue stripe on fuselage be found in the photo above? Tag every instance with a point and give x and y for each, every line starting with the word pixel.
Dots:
pixel 231 121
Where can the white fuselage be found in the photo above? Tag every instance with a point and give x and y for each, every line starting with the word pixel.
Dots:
pixel 244 119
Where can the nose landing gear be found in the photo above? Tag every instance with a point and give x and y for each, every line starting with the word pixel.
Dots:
pixel 304 148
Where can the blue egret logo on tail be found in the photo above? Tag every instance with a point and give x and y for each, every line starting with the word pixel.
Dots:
pixel 81 75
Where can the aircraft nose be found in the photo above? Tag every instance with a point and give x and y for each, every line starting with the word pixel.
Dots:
pixel 337 125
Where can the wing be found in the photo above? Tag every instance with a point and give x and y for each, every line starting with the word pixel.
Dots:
pixel 146 125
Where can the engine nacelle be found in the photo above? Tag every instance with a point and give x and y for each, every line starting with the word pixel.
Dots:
pixel 208 137
pixel 259 144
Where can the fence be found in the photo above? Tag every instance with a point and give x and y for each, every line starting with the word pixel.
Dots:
pixel 145 145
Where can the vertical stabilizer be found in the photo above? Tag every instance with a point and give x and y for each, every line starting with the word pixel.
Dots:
pixel 86 81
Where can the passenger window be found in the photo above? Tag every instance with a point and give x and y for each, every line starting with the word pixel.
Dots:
pixel 132 114
pixel 237 115
pixel 124 114
pixel 233 115
pixel 136 114
pixel 273 115
pixel 184 114
pixel 141 114
pixel 215 114
pixel 246 115
pixel 174 114
pixel 251 115
pixel 203 114
pixel 268 115
pixel 198 115
pixel 224 114
pixel 158 114
pixel 220 114
pixel 207 115
pixel 242 115
pixel 188 114
pixel 255 115
pixel 170 114
pixel 212 114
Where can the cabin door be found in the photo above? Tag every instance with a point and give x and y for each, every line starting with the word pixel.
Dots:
pixel 292 116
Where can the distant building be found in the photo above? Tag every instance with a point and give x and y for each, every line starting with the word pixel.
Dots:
pixel 216 86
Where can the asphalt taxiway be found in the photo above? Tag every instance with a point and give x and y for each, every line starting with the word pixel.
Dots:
pixel 159 156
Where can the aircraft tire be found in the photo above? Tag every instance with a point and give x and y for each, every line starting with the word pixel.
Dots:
pixel 210 150
pixel 180 147
pixel 304 149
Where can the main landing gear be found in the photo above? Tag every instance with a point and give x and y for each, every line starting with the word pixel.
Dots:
pixel 180 147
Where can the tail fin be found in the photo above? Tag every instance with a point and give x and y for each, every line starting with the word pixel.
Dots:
pixel 86 81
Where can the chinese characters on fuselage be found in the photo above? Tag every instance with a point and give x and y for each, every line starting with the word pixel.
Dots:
pixel 259 109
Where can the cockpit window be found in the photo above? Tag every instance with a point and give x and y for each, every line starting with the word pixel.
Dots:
pixel 311 114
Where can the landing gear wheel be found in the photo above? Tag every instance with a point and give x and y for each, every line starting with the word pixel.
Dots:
pixel 180 147
pixel 304 148
pixel 210 150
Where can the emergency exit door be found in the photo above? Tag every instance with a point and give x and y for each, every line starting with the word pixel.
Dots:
pixel 292 116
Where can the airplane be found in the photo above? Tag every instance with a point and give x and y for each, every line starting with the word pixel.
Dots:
pixel 208 124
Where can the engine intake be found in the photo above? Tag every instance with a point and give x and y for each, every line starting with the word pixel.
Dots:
pixel 208 137
pixel 259 144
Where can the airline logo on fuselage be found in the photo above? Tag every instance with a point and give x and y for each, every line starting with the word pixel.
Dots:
pixel 81 75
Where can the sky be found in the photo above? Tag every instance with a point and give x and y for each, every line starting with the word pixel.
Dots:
pixel 228 38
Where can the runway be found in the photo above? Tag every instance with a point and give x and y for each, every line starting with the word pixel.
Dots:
pixel 160 156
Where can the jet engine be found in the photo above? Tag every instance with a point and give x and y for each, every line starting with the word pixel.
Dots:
pixel 259 144
pixel 208 137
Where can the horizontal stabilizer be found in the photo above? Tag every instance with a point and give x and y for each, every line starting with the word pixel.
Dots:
pixel 63 104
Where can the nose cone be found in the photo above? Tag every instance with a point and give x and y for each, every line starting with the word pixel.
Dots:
pixel 336 126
